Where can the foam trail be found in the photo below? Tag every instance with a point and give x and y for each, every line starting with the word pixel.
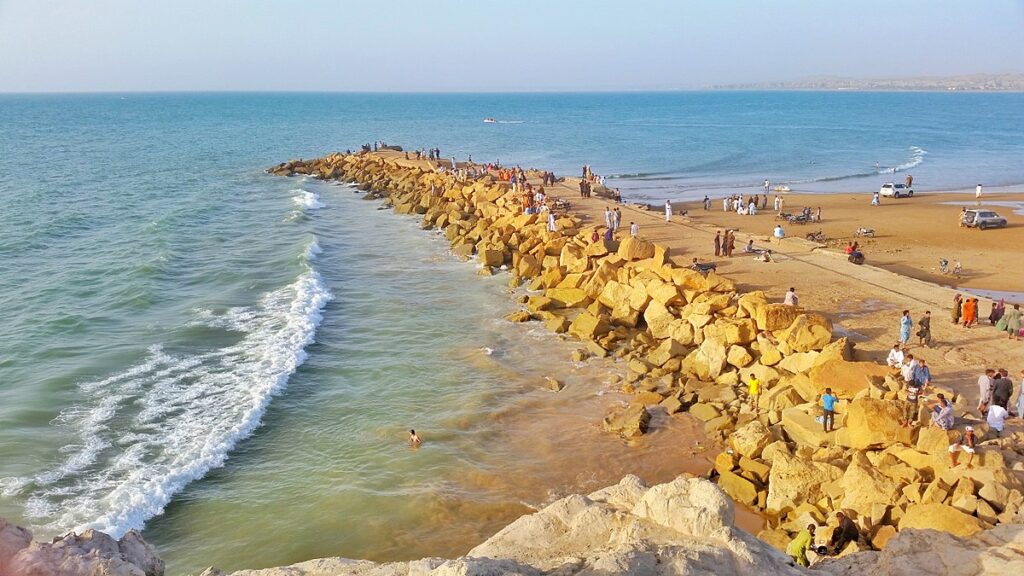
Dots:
pixel 167 421
pixel 313 250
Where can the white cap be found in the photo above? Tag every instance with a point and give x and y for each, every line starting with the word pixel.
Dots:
pixel 970 428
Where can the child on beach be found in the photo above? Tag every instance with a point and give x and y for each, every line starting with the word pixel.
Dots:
pixel 753 390
pixel 828 409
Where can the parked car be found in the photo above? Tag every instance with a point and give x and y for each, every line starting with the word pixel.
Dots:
pixel 982 219
pixel 896 190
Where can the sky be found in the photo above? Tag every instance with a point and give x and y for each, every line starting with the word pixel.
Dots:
pixel 484 45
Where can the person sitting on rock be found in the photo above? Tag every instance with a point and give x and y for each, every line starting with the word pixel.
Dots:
pixel 798 547
pixel 895 358
pixel 965 443
pixel 844 533
pixel 942 413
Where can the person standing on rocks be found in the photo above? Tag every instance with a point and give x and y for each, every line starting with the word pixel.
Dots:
pixel 668 211
pixel 905 324
pixel 828 409
pixel 964 443
pixel 634 230
pixel 996 418
pixel 718 243
pixel 798 547
pixel 791 298
pixel 753 391
pixel 551 222
pixel 910 404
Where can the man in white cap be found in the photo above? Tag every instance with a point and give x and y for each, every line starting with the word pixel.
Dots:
pixel 965 443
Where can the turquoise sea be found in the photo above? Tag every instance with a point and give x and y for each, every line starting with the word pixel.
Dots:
pixel 231 361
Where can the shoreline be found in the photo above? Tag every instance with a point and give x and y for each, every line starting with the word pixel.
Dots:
pixel 482 218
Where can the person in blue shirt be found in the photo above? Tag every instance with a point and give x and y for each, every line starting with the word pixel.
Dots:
pixel 828 405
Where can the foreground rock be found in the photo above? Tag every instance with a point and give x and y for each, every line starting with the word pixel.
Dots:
pixel 89 554
pixel 682 527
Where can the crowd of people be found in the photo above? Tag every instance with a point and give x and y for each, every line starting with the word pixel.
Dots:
pixel 966 311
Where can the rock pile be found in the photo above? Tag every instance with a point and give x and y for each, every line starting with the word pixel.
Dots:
pixel 691 342
pixel 89 554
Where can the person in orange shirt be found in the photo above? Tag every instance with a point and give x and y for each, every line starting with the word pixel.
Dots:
pixel 970 312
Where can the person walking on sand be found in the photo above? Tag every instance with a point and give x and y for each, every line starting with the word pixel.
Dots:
pixel 779 233
pixel 970 311
pixel 964 443
pixel 730 242
pixel 668 211
pixel 925 332
pixel 718 243
pixel 707 203
pixel 791 298
pixel 1012 318
pixel 905 324
pixel 817 215
pixel 617 219
pixel 607 217
pixel 957 310
pixel 414 439
pixel 977 195
pixel 766 185
pixel 828 409
pixel 634 229
pixel 725 204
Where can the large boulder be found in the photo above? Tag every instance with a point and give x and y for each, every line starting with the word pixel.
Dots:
pixel 807 332
pixel 91 553
pixel 846 379
pixel 750 439
pixel 12 539
pixel 773 317
pixel 794 480
pixel 940 517
pixel 628 422
pixel 586 326
pixel 864 486
pixel 635 249
pixel 874 423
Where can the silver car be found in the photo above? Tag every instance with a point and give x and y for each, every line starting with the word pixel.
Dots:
pixel 982 219
pixel 892 190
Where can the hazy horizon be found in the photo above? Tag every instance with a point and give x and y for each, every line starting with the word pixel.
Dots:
pixel 121 46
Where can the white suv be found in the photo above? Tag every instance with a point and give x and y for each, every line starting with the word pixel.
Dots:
pixel 895 190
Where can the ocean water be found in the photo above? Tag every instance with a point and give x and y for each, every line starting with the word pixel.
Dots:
pixel 231 360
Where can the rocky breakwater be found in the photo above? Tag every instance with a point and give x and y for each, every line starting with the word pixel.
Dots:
pixel 691 343
pixel 91 553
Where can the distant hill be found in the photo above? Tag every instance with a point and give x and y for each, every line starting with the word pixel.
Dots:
pixel 965 83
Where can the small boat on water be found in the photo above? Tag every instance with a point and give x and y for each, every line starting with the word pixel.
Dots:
pixel 780 189
pixel 490 121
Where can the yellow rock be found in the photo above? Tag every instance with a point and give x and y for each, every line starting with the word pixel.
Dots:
pixel 846 378
pixel 567 297
pixel 737 487
pixel 738 356
pixel 875 423
pixel 807 332
pixel 940 517
pixel 574 258
pixel 665 351
pixel 774 317
pixel 586 326
pixel 659 320
pixel 614 294
pixel 804 429
pixel 635 249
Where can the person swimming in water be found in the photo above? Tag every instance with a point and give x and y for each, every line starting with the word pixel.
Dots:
pixel 414 438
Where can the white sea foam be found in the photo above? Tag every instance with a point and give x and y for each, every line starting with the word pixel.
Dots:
pixel 916 158
pixel 313 250
pixel 154 427
pixel 307 200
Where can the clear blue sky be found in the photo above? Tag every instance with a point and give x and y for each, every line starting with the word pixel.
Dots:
pixel 450 45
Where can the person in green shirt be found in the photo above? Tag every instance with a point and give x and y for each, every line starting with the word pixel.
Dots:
pixel 799 546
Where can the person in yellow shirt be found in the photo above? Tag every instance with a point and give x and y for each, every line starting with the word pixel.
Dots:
pixel 797 548
pixel 753 390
